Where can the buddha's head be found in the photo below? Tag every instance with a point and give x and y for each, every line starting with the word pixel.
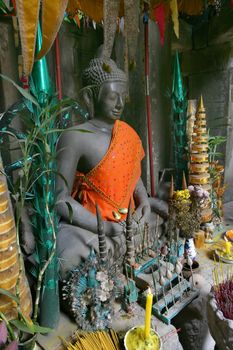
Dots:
pixel 105 89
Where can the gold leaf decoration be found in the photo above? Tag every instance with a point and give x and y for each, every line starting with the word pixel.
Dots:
pixel 52 16
pixel 28 15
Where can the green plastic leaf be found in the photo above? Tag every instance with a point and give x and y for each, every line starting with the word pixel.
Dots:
pixel 3 7
pixel 66 130
pixel 23 92
pixel 42 330
pixel 10 295
pixel 21 326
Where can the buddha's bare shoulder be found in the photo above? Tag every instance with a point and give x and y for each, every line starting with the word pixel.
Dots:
pixel 76 135
pixel 77 130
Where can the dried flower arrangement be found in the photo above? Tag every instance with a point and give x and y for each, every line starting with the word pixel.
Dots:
pixel 186 207
pixel 90 292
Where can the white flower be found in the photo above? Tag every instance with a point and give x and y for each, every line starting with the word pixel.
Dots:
pixel 107 285
pixel 101 276
pixel 199 193
pixel 103 295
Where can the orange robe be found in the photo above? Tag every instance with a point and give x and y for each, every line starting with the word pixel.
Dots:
pixel 111 183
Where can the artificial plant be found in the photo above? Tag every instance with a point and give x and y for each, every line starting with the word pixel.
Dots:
pixel 18 330
pixel 179 111
pixel 35 189
pixel 36 182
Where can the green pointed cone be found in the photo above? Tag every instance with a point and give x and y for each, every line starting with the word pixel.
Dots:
pixel 178 91
pixel 179 108
pixel 41 86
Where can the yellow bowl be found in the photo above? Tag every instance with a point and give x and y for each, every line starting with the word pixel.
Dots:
pixel 140 342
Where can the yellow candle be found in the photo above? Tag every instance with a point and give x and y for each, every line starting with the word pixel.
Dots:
pixel 149 302
pixel 228 247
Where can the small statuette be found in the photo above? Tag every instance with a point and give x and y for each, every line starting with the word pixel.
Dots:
pixel 123 210
pixel 116 215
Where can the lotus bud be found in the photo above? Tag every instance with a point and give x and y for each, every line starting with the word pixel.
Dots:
pixel 178 269
pixel 168 274
pixel 162 281
pixel 179 263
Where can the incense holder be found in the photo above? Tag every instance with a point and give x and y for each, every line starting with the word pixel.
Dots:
pixel 135 340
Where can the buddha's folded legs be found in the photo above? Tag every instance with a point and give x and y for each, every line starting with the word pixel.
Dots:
pixel 74 245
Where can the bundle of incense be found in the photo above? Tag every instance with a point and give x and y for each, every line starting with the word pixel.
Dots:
pixel 100 340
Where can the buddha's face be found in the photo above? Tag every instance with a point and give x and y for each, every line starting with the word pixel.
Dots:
pixel 111 100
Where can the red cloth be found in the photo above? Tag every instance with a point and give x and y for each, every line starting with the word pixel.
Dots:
pixel 112 182
pixel 159 14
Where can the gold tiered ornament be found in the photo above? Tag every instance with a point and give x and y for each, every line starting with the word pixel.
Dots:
pixel 11 268
pixel 199 159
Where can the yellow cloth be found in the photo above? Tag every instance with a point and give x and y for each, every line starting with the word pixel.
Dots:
pixel 52 17
pixel 175 15
pixel 28 14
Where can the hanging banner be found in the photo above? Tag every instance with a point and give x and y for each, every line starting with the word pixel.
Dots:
pixel 159 15
pixel 111 9
pixel 28 14
pixel 52 16
pixel 175 15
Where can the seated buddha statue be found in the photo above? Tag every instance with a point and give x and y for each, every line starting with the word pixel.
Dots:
pixel 101 162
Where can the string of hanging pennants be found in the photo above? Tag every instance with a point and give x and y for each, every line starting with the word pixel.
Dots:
pixel 100 11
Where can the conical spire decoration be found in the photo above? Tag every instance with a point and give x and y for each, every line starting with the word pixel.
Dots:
pixel 11 268
pixel 130 249
pixel 184 182
pixel 101 236
pixel 179 109
pixel 201 107
pixel 199 157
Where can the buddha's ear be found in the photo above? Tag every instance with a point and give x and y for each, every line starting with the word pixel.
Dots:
pixel 88 98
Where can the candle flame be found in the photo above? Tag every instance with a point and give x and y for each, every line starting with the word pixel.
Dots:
pixel 225 238
pixel 149 291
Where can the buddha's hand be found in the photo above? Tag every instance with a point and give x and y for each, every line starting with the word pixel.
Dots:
pixel 142 213
pixel 113 229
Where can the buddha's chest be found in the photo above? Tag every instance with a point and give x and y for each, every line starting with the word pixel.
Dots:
pixel 95 149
